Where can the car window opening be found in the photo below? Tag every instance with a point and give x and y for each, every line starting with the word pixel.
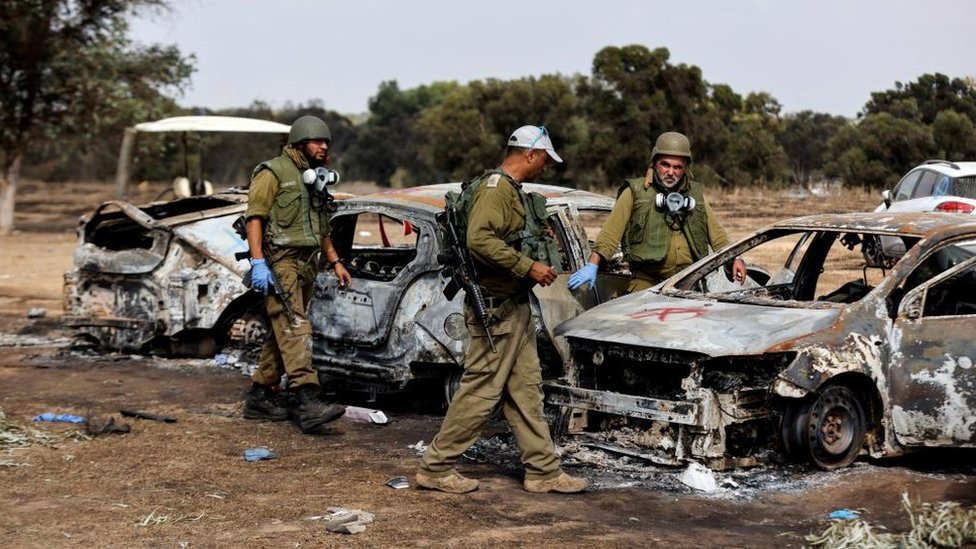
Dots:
pixel 375 246
pixel 794 268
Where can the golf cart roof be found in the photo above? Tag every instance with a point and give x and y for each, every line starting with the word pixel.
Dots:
pixel 212 124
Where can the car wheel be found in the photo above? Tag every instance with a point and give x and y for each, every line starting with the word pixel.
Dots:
pixel 828 429
pixel 248 329
pixel 452 382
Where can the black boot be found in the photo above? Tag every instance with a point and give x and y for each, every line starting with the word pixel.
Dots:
pixel 260 402
pixel 310 411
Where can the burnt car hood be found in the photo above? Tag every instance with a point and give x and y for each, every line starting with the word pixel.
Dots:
pixel 714 328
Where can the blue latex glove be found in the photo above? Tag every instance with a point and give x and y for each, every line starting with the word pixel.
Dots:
pixel 260 275
pixel 257 454
pixel 586 274
pixel 63 418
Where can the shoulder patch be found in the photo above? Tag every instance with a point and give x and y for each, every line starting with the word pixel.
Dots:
pixel 493 180
pixel 289 184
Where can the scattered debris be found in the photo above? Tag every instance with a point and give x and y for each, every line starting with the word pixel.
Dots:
pixel 944 524
pixel 36 312
pixel 699 477
pixel 14 436
pixel 146 415
pixel 398 482
pixel 258 454
pixel 844 514
pixel 419 447
pixel 96 427
pixel 17 340
pixel 155 519
pixel 215 495
pixel 347 521
pixel 59 418
pixel 365 415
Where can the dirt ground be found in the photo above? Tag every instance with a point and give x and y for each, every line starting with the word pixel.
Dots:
pixel 100 491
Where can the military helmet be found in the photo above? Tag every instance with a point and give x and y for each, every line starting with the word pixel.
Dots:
pixel 308 127
pixel 672 143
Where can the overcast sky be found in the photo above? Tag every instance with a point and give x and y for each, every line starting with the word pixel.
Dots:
pixel 823 55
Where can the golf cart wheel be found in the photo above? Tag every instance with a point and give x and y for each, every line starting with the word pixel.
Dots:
pixel 834 427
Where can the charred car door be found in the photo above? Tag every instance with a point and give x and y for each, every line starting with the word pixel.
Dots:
pixel 933 381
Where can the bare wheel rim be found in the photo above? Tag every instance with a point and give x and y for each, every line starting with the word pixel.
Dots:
pixel 835 428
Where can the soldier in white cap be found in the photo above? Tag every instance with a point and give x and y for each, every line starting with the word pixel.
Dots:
pixel 507 237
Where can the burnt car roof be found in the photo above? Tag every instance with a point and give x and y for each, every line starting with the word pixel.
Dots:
pixel 430 198
pixel 915 223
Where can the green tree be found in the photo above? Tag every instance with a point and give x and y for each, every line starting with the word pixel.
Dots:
pixel 954 135
pixel 466 132
pixel 931 93
pixel 387 144
pixel 879 148
pixel 67 66
pixel 804 136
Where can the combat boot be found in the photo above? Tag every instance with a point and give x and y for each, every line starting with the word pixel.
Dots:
pixel 564 484
pixel 260 402
pixel 310 411
pixel 454 483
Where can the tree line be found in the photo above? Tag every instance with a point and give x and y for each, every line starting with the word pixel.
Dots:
pixel 71 81
pixel 604 125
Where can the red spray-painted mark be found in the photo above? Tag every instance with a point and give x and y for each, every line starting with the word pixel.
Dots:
pixel 675 313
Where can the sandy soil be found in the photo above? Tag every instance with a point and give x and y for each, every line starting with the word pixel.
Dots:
pixel 96 492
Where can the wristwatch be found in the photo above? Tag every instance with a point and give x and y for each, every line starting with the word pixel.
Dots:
pixel 334 262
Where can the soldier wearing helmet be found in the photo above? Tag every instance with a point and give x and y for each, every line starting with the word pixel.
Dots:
pixel 287 222
pixel 661 221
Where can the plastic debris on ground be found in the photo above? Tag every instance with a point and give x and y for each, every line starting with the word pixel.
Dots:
pixel 419 447
pixel 36 312
pixel 258 454
pixel 398 483
pixel 347 521
pixel 59 418
pixel 366 415
pixel 843 514
pixel 699 477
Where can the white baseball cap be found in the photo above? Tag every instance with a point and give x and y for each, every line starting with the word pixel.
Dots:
pixel 534 137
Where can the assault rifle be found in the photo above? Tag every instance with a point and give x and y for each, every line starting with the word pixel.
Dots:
pixel 241 228
pixel 459 266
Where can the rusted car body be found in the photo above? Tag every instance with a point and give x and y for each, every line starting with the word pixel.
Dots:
pixel 394 325
pixel 860 339
pixel 162 277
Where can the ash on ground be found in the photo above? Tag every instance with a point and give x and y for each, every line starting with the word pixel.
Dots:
pixel 608 470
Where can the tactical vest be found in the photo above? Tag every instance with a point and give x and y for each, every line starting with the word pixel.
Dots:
pixel 298 218
pixel 533 240
pixel 647 236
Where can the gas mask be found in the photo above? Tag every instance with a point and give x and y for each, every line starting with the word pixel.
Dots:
pixel 320 178
pixel 674 203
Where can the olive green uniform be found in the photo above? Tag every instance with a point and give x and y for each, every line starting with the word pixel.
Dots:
pixel 678 254
pixel 296 221
pixel 513 374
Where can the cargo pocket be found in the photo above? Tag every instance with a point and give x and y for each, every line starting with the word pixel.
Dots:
pixel 635 229
pixel 288 206
pixel 500 327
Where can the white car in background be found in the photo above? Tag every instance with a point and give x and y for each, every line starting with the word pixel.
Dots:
pixel 934 186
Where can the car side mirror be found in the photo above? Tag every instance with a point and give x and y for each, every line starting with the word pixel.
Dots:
pixel 886 196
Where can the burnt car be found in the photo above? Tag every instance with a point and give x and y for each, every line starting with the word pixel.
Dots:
pixel 853 334
pixel 162 277
pixel 394 326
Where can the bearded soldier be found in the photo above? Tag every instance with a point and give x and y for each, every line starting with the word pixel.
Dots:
pixel 287 218
pixel 661 221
